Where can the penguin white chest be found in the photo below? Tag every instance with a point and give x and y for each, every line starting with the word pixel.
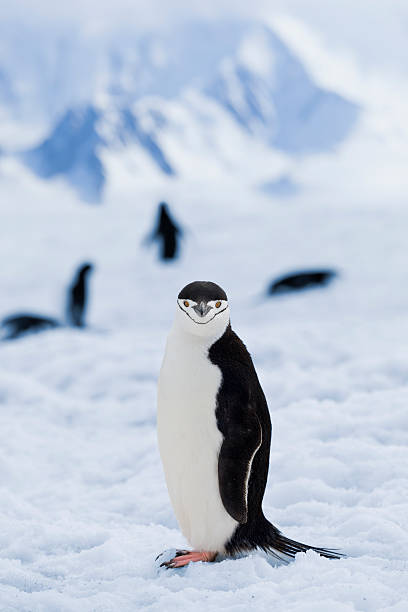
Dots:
pixel 190 441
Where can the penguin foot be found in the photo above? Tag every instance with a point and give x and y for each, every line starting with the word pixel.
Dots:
pixel 184 557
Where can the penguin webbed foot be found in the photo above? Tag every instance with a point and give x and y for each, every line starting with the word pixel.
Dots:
pixel 184 557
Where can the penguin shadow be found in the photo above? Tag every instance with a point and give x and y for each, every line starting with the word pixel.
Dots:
pixel 16 325
pixel 167 233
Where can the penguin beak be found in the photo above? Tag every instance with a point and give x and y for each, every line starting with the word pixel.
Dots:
pixel 202 309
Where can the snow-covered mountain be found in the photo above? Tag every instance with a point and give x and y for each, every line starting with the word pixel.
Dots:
pixel 71 150
pixel 201 91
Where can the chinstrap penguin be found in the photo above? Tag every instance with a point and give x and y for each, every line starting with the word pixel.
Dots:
pixel 20 324
pixel 78 296
pixel 167 233
pixel 298 281
pixel 214 434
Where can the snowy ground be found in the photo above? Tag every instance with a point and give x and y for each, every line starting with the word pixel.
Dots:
pixel 84 507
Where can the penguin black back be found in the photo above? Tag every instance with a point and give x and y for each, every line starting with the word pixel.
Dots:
pixel 243 418
pixel 249 422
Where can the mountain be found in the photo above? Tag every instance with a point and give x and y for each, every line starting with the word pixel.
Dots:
pixel 71 150
pixel 171 96
pixel 268 92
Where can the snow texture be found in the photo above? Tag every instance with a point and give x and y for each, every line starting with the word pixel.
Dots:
pixel 84 506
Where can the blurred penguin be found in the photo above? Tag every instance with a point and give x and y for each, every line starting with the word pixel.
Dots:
pixel 21 324
pixel 167 233
pixel 305 279
pixel 78 296
pixel 14 326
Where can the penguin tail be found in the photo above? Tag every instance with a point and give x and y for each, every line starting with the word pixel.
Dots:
pixel 280 545
pixel 265 536
pixel 289 548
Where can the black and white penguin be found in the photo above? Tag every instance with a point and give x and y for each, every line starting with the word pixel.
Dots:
pixel 21 324
pixel 167 232
pixel 78 296
pixel 305 279
pixel 214 434
pixel 18 325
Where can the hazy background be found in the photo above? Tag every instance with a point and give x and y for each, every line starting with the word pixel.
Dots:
pixel 111 56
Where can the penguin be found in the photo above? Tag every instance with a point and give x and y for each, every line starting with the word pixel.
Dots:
pixel 301 280
pixel 17 325
pixel 21 324
pixel 78 296
pixel 167 232
pixel 214 435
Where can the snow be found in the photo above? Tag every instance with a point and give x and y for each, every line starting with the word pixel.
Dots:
pixel 125 98
pixel 84 506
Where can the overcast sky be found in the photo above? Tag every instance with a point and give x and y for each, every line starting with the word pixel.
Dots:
pixel 356 47
pixel 374 32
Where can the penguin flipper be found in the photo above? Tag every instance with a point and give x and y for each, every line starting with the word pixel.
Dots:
pixel 237 452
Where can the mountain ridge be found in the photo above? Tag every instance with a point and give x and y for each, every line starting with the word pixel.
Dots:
pixel 247 79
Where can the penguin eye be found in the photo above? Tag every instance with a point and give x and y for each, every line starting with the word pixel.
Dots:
pixel 186 304
pixel 218 304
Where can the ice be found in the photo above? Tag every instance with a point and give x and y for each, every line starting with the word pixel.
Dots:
pixel 84 506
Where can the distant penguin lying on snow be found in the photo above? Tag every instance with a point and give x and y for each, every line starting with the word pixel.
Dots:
pixel 20 324
pixel 167 233
pixel 301 280
pixel 214 434
pixel 17 325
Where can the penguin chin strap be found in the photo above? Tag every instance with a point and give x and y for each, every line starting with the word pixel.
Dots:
pixel 184 557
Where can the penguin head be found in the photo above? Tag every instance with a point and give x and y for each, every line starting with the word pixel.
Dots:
pixel 85 268
pixel 202 309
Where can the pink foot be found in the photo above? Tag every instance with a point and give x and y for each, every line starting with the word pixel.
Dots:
pixel 184 557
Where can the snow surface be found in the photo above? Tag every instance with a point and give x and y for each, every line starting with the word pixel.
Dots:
pixel 84 507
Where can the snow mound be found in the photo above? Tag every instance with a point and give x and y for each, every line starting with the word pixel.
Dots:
pixel 84 506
